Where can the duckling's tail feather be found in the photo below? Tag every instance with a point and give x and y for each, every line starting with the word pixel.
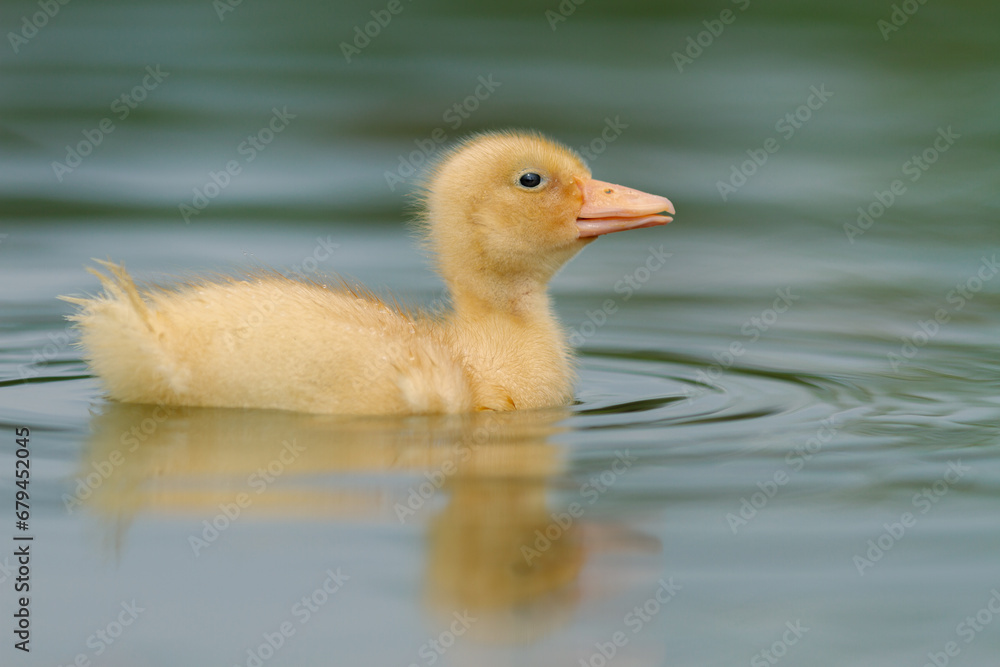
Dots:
pixel 122 341
pixel 121 287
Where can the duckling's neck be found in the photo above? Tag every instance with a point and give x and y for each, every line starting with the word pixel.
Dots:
pixel 520 298
pixel 513 346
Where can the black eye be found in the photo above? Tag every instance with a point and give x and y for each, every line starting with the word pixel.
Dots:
pixel 530 180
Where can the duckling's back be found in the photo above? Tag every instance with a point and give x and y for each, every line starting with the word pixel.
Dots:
pixel 267 341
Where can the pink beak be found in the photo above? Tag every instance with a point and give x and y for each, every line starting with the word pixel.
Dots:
pixel 611 208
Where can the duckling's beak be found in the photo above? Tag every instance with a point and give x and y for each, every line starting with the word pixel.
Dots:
pixel 614 208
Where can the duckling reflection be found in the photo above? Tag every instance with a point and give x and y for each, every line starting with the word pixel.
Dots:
pixel 483 555
pixel 179 459
pixel 495 472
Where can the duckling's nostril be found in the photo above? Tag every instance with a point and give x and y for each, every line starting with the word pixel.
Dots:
pixel 608 191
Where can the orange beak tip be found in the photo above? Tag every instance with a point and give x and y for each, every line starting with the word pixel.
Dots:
pixel 609 208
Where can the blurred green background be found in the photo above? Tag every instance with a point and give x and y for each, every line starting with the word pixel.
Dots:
pixel 228 68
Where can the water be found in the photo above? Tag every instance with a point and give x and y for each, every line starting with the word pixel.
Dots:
pixel 785 438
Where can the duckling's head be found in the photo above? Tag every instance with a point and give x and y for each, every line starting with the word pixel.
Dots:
pixel 506 210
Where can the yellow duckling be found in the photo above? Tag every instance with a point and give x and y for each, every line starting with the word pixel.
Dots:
pixel 503 212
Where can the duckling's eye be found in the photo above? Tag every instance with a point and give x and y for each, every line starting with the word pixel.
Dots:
pixel 530 180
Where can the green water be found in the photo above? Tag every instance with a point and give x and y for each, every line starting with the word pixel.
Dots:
pixel 786 442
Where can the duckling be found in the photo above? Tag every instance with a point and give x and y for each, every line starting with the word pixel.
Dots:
pixel 502 212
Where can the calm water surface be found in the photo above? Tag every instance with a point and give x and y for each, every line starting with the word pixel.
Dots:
pixel 786 441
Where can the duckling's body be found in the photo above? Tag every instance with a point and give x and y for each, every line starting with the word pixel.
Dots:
pixel 267 341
